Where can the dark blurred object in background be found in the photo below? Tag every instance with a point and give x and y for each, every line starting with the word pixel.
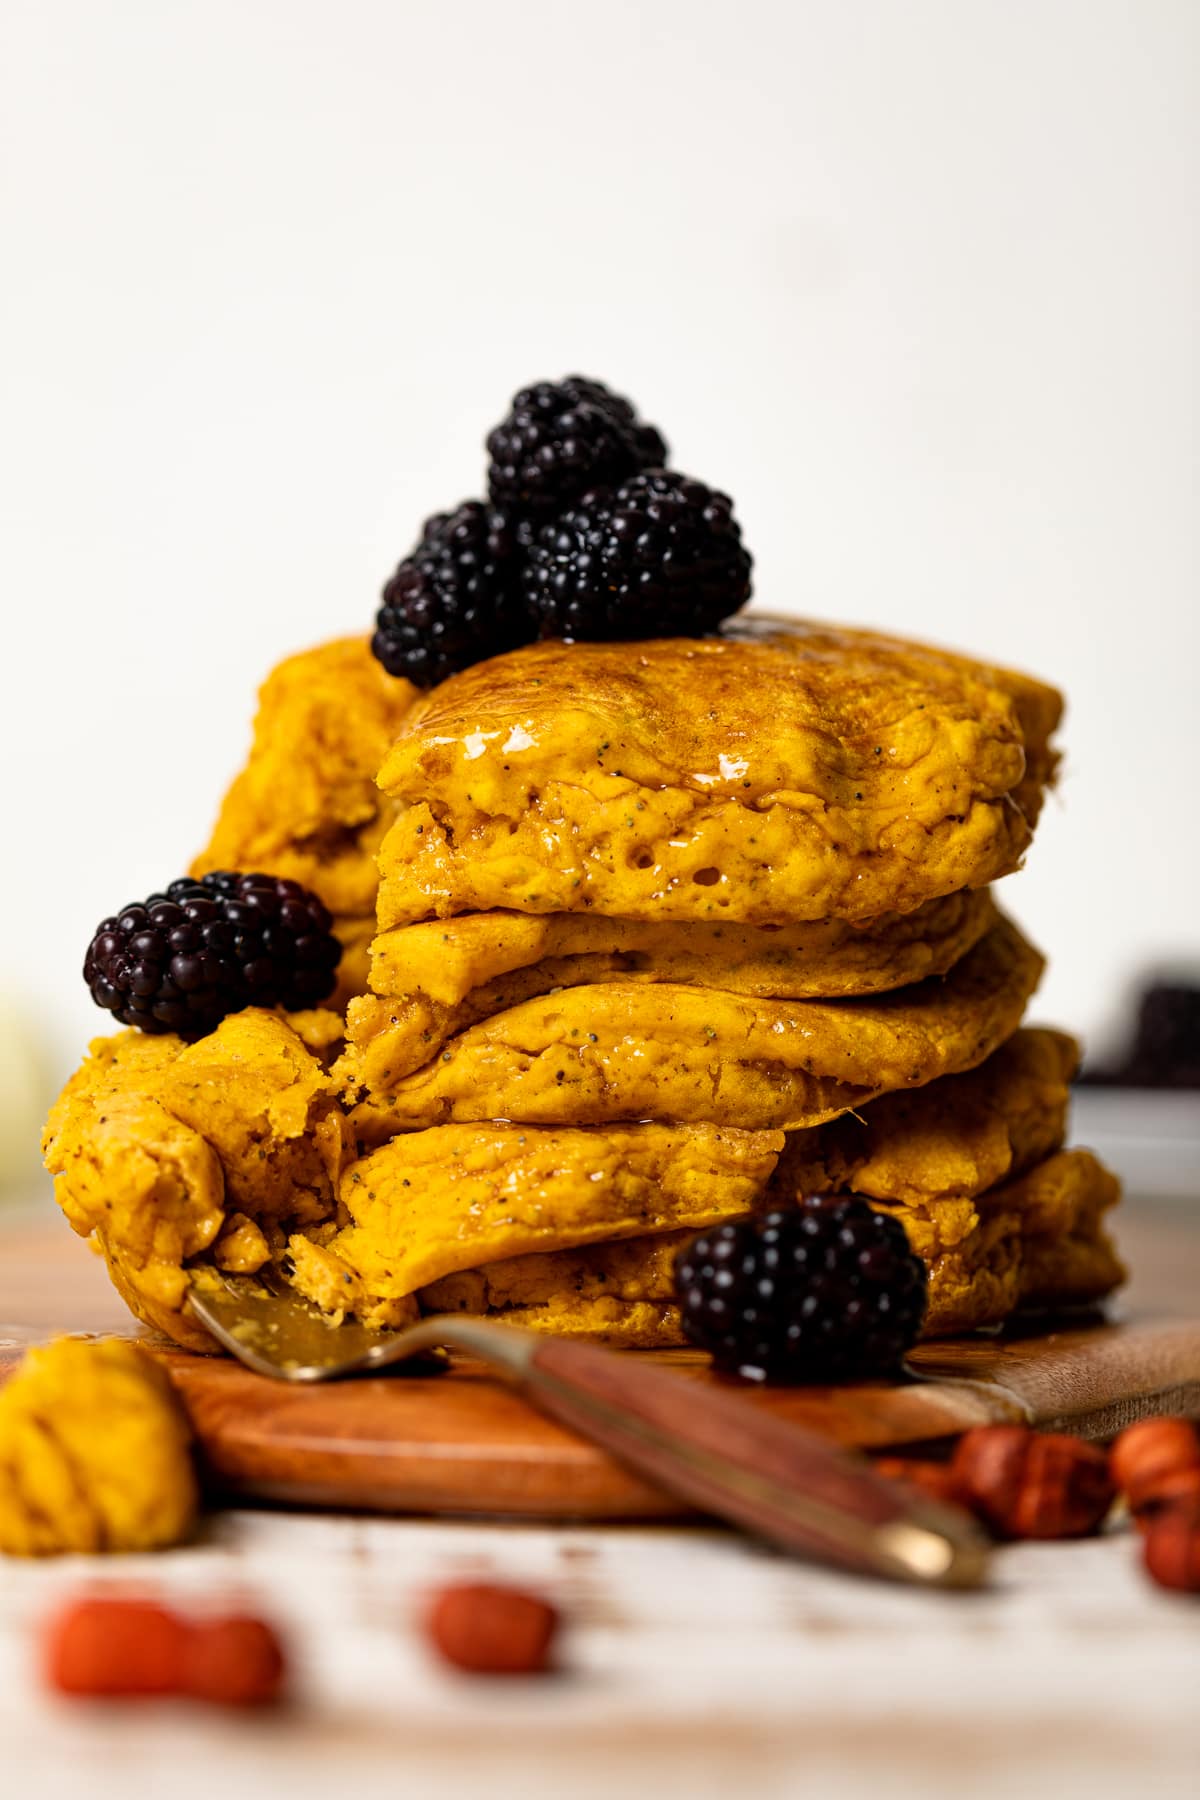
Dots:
pixel 1163 1046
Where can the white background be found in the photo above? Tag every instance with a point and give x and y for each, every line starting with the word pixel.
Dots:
pixel 916 281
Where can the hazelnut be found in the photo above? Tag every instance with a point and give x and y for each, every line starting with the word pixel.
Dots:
pixel 98 1646
pixel 1151 1453
pixel 1177 1488
pixel 1028 1484
pixel 114 1648
pixel 1172 1549
pixel 233 1662
pixel 492 1630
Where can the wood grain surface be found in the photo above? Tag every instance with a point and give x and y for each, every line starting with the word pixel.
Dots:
pixel 462 1443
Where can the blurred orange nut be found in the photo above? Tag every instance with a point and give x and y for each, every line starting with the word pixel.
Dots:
pixel 233 1662
pixel 125 1648
pixel 492 1630
pixel 1172 1550
pixel 1151 1452
pixel 1175 1491
pixel 1029 1484
pixel 111 1648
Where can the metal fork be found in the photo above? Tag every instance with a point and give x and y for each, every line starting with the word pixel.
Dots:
pixel 708 1447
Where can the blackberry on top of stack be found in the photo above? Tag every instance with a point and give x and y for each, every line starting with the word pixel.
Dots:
pixel 684 925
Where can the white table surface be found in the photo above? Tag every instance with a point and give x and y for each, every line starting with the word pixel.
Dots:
pixel 690 1658
pixel 692 1661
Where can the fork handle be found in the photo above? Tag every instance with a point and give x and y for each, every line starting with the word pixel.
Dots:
pixel 731 1458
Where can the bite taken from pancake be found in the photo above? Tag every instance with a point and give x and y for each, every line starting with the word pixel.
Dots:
pixel 174 1154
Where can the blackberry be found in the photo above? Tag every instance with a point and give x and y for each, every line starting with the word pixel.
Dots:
pixel 562 438
pixel 455 600
pixel 822 1292
pixel 661 556
pixel 182 960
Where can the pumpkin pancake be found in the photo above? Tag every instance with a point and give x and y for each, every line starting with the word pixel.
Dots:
pixel 432 981
pixel 354 970
pixel 166 1151
pixel 783 771
pixel 631 1269
pixel 1000 1215
pixel 1038 1242
pixel 617 1292
pixel 587 1257
pixel 449 961
pixel 306 806
pixel 602 1319
pixel 1064 1192
pixel 951 1140
pixel 433 1202
pixel 941 1147
pixel 594 1055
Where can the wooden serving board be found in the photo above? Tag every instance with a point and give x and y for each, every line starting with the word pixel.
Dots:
pixel 463 1443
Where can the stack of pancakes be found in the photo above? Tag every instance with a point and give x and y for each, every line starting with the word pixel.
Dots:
pixel 671 930
pixel 660 934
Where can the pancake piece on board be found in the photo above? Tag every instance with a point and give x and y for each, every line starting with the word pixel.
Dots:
pixel 168 1152
pixel 617 1051
pixel 434 1202
pixel 620 1293
pixel 1037 1242
pixel 781 772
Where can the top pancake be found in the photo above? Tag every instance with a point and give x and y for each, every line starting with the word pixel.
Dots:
pixel 783 771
